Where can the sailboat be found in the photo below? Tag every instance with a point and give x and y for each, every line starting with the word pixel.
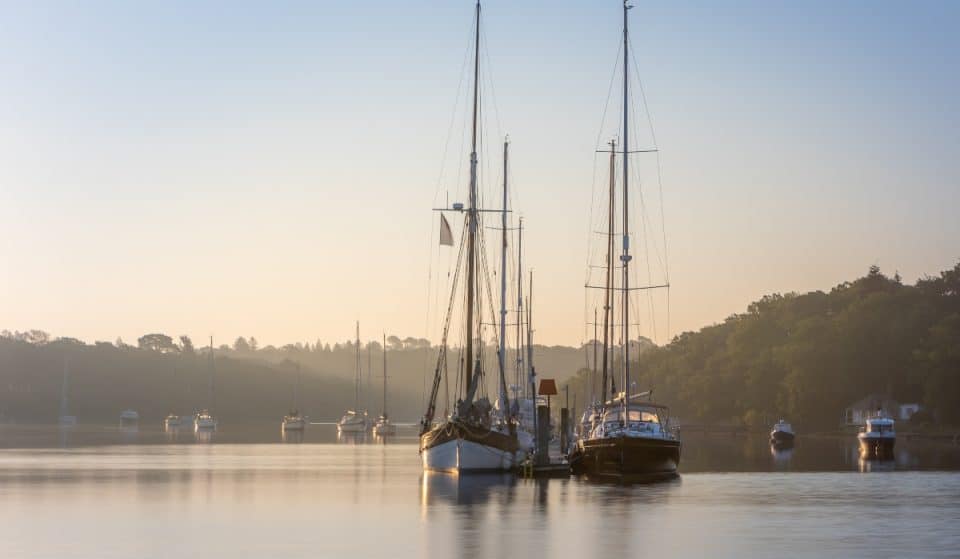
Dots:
pixel 65 419
pixel 467 440
pixel 294 421
pixel 353 421
pixel 383 427
pixel 204 419
pixel 172 420
pixel 632 438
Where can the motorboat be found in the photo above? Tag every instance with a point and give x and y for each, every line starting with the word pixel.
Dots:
pixel 877 436
pixel 129 418
pixel 204 421
pixel 172 421
pixel 782 434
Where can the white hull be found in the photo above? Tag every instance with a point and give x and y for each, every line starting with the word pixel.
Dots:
pixel 205 424
pixel 294 425
pixel 171 423
pixel 465 456
pixel 384 430
pixel 358 427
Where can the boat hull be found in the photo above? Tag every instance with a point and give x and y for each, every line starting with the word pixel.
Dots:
pixel 294 425
pixel 625 458
pixel 458 448
pixel 351 427
pixel 782 438
pixel 877 446
pixel 205 425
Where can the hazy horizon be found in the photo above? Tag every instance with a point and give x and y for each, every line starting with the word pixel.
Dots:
pixel 266 170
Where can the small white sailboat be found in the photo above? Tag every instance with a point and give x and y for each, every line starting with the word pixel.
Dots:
pixel 353 421
pixel 294 421
pixel 172 421
pixel 65 419
pixel 383 427
pixel 204 420
pixel 470 439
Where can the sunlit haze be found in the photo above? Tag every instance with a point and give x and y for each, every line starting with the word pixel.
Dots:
pixel 270 169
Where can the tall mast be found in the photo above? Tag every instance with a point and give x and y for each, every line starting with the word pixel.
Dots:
pixel 608 286
pixel 593 368
pixel 625 257
pixel 64 387
pixel 210 394
pixel 520 369
pixel 502 354
pixel 472 218
pixel 533 373
pixel 356 376
pixel 384 375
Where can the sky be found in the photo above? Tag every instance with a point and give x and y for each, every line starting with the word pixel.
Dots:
pixel 270 168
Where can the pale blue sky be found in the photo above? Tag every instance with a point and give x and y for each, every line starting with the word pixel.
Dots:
pixel 269 168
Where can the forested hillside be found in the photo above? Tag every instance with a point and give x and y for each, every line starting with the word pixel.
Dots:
pixel 808 356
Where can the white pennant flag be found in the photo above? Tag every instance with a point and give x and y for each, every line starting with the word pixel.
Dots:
pixel 446 235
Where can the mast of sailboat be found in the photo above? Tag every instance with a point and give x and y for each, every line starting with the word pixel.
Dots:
pixel 533 371
pixel 502 353
pixel 384 412
pixel 64 387
pixel 210 392
pixel 625 256
pixel 472 220
pixel 297 390
pixel 607 370
pixel 593 369
pixel 356 376
pixel 519 382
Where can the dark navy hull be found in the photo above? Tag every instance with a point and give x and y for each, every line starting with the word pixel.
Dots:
pixel 781 437
pixel 627 458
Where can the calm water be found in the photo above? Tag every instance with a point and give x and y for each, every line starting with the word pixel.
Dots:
pixel 104 492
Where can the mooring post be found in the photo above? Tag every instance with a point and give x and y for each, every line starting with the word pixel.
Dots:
pixel 564 430
pixel 543 435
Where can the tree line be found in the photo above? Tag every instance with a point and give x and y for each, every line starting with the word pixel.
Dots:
pixel 806 357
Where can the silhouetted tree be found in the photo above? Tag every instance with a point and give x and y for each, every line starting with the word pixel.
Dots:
pixel 157 342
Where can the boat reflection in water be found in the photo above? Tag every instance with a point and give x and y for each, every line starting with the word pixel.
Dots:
pixel 351 437
pixel 295 436
pixel 471 489
pixel 782 455
pixel 870 463
pixel 203 435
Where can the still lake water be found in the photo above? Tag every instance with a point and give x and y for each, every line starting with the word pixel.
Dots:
pixel 106 492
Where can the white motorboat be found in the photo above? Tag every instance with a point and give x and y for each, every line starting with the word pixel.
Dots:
pixel 878 436
pixel 129 418
pixel 204 421
pixel 172 421
pixel 782 434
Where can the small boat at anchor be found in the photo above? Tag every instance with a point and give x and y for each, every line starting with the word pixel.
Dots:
pixel 782 434
pixel 172 421
pixel 383 427
pixel 129 418
pixel 877 436
pixel 294 421
pixel 353 421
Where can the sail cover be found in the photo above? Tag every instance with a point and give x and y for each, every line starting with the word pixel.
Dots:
pixel 446 235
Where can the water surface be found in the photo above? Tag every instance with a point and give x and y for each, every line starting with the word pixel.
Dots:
pixel 103 492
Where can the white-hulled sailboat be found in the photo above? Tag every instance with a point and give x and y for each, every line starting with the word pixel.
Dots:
pixel 204 420
pixel 354 421
pixel 294 421
pixel 383 427
pixel 468 440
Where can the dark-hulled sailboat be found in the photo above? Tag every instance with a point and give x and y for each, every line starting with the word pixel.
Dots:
pixel 629 439
pixel 471 439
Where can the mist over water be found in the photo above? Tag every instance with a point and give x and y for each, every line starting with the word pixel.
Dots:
pixel 105 491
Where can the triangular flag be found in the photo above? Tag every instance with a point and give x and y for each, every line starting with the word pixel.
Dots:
pixel 446 235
